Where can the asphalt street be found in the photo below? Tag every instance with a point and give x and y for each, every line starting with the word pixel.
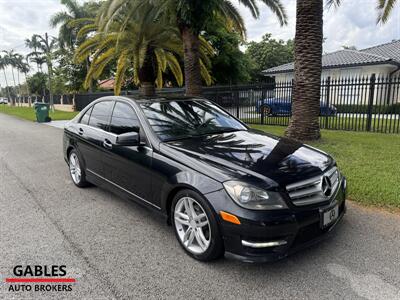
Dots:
pixel 118 250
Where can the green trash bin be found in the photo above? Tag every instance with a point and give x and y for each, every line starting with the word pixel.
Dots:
pixel 42 112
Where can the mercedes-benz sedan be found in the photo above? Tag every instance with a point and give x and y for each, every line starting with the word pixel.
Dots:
pixel 224 188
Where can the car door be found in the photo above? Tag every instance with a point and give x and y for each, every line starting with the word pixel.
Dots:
pixel 128 167
pixel 91 131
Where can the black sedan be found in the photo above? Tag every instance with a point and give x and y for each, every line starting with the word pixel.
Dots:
pixel 221 185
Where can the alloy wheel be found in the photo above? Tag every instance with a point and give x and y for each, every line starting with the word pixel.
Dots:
pixel 266 110
pixel 192 225
pixel 75 168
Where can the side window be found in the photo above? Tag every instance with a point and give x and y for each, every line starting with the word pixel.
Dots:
pixel 85 118
pixel 124 119
pixel 101 113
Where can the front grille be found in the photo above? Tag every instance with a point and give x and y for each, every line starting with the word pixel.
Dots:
pixel 314 190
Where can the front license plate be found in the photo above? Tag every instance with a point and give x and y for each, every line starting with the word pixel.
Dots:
pixel 329 216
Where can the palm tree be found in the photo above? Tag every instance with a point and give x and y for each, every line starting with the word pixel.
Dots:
pixel 191 19
pixel 71 21
pixel 304 123
pixel 385 8
pixel 39 61
pixel 33 44
pixel 3 66
pixel 11 60
pixel 45 48
pixel 147 43
pixel 23 67
pixel 75 14
pixel 17 65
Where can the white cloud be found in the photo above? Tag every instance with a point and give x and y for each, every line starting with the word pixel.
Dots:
pixel 353 24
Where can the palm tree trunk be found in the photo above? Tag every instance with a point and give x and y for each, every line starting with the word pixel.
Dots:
pixel 50 74
pixel 27 90
pixel 15 84
pixel 19 88
pixel 304 123
pixel 8 90
pixel 87 71
pixel 192 64
pixel 44 87
pixel 147 75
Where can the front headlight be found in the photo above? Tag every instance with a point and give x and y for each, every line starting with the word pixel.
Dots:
pixel 250 197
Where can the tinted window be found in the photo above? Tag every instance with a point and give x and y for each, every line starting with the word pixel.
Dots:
pixel 124 119
pixel 101 113
pixel 86 116
pixel 176 119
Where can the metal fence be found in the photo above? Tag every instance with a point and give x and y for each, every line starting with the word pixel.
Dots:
pixel 357 103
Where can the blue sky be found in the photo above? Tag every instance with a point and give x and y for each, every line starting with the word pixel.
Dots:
pixel 353 24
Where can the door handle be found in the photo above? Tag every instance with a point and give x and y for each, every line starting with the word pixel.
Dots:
pixel 107 144
pixel 80 131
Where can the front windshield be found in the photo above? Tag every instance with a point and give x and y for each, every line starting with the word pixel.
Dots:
pixel 179 119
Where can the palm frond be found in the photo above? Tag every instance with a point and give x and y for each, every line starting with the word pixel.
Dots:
pixel 174 66
pixel 278 9
pixel 231 15
pixel 252 6
pixel 385 8
pixel 59 18
pixel 205 74
pixel 122 66
pixel 75 23
pixel 86 29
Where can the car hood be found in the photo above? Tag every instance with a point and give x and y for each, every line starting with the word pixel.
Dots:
pixel 252 154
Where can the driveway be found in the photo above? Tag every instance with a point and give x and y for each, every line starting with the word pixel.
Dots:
pixel 118 250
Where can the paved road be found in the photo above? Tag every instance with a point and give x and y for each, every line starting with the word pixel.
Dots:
pixel 118 250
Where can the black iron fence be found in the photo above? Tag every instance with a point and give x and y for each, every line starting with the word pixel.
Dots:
pixel 357 103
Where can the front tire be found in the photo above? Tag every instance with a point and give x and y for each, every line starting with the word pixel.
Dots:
pixel 196 227
pixel 76 170
pixel 267 110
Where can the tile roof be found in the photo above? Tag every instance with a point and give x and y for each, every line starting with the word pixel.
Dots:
pixel 386 53
pixel 391 50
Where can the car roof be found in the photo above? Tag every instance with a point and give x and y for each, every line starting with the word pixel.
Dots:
pixel 161 98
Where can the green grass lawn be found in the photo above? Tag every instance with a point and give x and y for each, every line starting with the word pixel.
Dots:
pixel 28 113
pixel 340 123
pixel 370 161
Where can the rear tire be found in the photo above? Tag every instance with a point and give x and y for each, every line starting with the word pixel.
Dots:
pixel 196 227
pixel 76 170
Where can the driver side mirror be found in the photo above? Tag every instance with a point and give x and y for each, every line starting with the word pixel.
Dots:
pixel 128 139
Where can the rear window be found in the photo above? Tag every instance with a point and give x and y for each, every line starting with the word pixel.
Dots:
pixel 85 118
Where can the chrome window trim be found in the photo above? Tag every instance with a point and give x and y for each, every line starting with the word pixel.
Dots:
pixel 148 144
pixel 123 189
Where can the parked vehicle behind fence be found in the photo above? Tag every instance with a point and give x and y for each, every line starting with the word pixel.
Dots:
pixel 283 107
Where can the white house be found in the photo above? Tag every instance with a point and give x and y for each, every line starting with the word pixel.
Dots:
pixel 382 60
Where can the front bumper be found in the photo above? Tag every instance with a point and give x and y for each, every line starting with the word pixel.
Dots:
pixel 281 232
